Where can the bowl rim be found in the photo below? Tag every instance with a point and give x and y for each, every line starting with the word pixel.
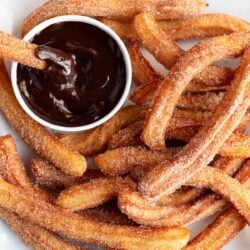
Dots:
pixel 84 19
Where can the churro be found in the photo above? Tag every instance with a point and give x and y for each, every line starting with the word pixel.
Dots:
pixel 35 135
pixel 207 101
pixel 175 157
pixel 220 232
pixel 165 50
pixel 41 238
pixel 116 9
pixel 93 193
pixel 124 29
pixel 143 72
pixel 13 49
pixel 160 214
pixel 206 156
pixel 36 237
pixel 145 93
pixel 192 63
pixel 188 194
pixel 46 174
pixel 216 79
pixel 228 165
pixel 216 180
pixel 13 171
pixel 92 142
pixel 123 160
pixel 107 213
pixel 237 145
pixel 155 40
pixel 182 196
pixel 215 236
pixel 96 140
pixel 149 214
pixel 78 228
pixel 130 136
pixel 244 123
pixel 205 25
pixel 212 78
pixel 206 143
pixel 186 118
pixel 126 158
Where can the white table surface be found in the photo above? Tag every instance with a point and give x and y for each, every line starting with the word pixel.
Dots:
pixel 12 13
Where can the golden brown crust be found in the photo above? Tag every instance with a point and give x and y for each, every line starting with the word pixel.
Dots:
pixel 205 157
pixel 143 72
pixel 205 25
pixel 216 180
pixel 124 160
pixel 161 213
pixel 127 158
pixel 124 29
pixel 211 76
pixel 13 171
pixel 203 147
pixel 116 9
pixel 145 93
pixel 35 135
pixel 46 174
pixel 244 123
pixel 130 136
pixel 237 145
pixel 156 40
pixel 13 49
pixel 181 196
pixel 166 50
pixel 78 228
pixel 220 232
pixel 94 141
pixel 196 103
pixel 206 101
pixel 107 214
pixel 93 193
pixel 225 227
pixel 192 63
pixel 149 214
pixel 36 237
pixel 211 79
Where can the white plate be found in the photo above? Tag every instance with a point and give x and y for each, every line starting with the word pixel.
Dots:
pixel 12 12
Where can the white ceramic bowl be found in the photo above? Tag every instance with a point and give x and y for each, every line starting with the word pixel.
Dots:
pixel 74 18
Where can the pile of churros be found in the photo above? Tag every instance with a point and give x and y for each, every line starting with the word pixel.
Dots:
pixel 177 156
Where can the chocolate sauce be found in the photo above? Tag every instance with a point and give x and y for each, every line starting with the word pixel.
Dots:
pixel 84 78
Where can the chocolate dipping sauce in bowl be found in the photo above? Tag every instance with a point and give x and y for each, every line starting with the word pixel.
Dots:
pixel 87 78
